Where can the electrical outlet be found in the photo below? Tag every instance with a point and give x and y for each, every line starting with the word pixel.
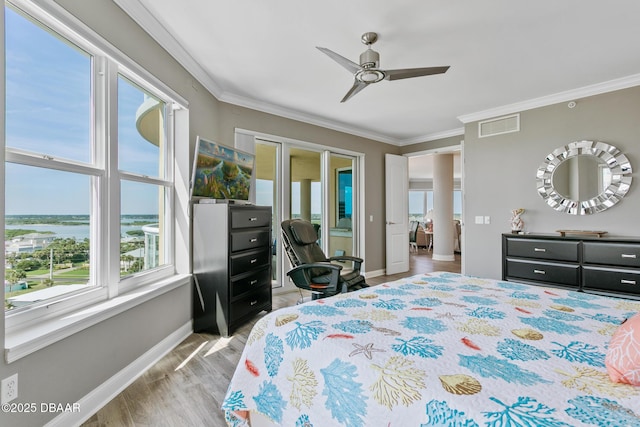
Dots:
pixel 9 388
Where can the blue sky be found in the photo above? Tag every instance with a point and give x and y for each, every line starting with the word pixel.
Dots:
pixel 48 111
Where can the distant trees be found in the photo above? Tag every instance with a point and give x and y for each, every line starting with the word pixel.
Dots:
pixel 29 264
pixel 64 251
pixel 14 276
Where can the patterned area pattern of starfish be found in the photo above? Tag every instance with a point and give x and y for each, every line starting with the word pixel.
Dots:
pixel 367 350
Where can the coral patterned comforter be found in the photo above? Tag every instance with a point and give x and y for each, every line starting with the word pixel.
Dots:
pixel 436 349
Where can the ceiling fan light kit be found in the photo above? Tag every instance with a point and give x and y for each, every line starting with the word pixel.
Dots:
pixel 368 71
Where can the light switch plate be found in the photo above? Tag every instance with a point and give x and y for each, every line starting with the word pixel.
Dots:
pixel 487 220
pixel 479 220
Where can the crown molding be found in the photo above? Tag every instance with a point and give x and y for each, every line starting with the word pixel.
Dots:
pixel 288 113
pixel 141 15
pixel 543 101
pixel 432 137
pixel 164 38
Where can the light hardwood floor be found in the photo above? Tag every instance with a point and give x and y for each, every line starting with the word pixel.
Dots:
pixel 187 386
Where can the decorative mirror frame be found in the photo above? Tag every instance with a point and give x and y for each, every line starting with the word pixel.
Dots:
pixel 612 157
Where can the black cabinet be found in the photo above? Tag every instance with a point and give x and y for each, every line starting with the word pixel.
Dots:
pixel 611 267
pixel 547 261
pixel 231 265
pixel 608 266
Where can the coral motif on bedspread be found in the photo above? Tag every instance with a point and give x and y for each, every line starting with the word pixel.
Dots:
pixel 436 349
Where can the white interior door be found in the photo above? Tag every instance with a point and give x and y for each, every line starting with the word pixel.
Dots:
pixel 397 213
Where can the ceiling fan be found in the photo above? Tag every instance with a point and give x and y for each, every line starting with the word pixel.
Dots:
pixel 368 71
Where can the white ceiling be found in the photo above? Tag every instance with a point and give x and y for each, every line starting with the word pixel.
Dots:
pixel 505 56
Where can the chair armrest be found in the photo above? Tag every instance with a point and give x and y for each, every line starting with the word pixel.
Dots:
pixel 357 262
pixel 301 278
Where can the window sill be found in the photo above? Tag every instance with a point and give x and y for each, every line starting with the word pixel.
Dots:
pixel 30 339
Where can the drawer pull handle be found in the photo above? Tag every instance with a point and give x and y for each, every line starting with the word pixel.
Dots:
pixel 253 282
pixel 253 261
pixel 539 250
pixel 253 219
pixel 539 271
pixel 254 302
pixel 253 240
pixel 628 256
pixel 628 282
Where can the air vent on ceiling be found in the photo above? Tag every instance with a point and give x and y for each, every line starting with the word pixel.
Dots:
pixel 499 125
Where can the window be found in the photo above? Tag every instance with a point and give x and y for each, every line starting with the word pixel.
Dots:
pixel 143 189
pixel 421 204
pixel 345 193
pixel 417 205
pixel 88 211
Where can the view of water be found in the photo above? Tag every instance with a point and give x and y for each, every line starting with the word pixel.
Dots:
pixel 80 231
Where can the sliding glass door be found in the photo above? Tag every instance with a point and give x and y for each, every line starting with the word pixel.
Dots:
pixel 266 188
pixel 306 186
pixel 341 205
pixel 311 183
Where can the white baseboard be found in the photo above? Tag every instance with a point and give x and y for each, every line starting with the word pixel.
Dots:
pixel 437 257
pixel 375 273
pixel 105 392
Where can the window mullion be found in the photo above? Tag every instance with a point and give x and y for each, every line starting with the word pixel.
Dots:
pixel 111 209
pixel 169 174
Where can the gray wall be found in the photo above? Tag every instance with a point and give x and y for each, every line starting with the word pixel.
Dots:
pixel 500 173
pixel 68 370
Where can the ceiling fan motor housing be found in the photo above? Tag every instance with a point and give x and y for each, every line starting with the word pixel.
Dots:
pixel 370 73
pixel 370 59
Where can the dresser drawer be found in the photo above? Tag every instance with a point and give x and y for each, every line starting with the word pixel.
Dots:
pixel 611 279
pixel 250 282
pixel 622 254
pixel 556 273
pixel 243 240
pixel 247 261
pixel 251 303
pixel 543 249
pixel 249 218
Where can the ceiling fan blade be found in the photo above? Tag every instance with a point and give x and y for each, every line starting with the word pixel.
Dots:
pixel 357 87
pixel 413 72
pixel 351 66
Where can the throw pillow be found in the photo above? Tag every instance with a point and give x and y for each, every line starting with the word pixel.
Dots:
pixel 623 355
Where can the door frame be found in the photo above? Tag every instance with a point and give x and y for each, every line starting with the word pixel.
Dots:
pixel 444 150
pixel 284 188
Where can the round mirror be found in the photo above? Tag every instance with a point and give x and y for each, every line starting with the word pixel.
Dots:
pixel 584 177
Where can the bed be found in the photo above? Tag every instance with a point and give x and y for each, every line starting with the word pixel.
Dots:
pixel 436 349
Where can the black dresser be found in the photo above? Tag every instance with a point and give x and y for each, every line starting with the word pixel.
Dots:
pixel 231 265
pixel 607 266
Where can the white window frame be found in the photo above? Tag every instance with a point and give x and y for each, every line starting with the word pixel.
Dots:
pixel 108 63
